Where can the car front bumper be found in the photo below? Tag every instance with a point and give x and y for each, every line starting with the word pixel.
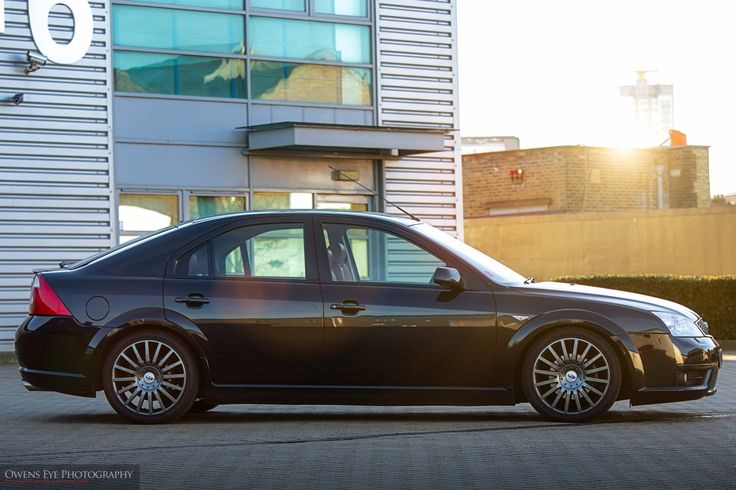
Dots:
pixel 54 354
pixel 676 368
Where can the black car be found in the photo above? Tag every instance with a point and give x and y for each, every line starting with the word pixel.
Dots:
pixel 314 307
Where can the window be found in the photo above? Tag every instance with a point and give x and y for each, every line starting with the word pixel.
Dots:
pixel 357 8
pixel 194 263
pixel 139 29
pixel 327 84
pixel 296 5
pixel 342 202
pixel 141 213
pixel 201 206
pixel 182 30
pixel 158 46
pixel 179 75
pixel 365 254
pixel 213 4
pixel 261 251
pixel 282 200
pixel 305 40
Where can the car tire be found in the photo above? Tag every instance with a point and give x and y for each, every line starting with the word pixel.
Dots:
pixel 150 377
pixel 571 375
pixel 201 406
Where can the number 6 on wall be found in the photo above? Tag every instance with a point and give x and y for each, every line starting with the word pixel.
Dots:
pixel 38 14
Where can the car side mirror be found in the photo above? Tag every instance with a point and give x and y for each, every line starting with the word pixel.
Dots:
pixel 448 277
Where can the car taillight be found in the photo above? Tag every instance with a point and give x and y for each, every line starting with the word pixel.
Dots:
pixel 44 301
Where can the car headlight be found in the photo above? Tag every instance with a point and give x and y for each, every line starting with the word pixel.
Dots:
pixel 679 325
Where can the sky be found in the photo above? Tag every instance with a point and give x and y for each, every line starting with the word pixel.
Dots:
pixel 548 71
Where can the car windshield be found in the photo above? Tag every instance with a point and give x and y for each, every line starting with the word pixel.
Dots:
pixel 494 269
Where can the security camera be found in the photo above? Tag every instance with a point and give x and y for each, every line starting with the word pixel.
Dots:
pixel 17 99
pixel 35 62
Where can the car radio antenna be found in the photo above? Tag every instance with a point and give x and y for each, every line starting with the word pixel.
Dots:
pixel 340 172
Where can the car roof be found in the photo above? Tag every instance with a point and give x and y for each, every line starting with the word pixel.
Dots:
pixel 310 213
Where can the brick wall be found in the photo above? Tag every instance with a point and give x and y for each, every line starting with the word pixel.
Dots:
pixel 583 179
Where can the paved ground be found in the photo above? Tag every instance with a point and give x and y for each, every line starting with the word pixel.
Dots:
pixel 689 444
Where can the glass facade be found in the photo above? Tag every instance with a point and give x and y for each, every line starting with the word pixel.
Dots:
pixel 201 206
pixel 294 5
pixel 141 213
pixel 178 30
pixel 155 51
pixel 357 8
pixel 305 40
pixel 282 200
pixel 212 4
pixel 296 82
pixel 201 76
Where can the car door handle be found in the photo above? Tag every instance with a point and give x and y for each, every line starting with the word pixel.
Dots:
pixel 193 300
pixel 347 307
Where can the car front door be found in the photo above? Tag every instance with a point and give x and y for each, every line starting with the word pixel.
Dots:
pixel 253 292
pixel 387 324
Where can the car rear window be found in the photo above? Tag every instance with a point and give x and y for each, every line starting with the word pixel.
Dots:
pixel 118 248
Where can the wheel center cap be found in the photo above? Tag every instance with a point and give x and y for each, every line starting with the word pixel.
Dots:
pixel 149 377
pixel 571 376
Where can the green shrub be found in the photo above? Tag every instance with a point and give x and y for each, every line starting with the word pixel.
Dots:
pixel 713 297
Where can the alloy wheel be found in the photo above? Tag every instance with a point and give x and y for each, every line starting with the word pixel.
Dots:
pixel 148 377
pixel 571 376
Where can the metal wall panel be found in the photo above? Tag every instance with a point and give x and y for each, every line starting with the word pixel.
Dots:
pixel 56 186
pixel 416 47
pixel 172 166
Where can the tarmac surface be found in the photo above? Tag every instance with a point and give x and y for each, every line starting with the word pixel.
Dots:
pixel 690 444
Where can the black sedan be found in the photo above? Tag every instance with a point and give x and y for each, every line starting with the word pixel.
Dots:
pixel 317 307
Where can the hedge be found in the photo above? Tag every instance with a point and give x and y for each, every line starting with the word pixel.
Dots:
pixel 714 297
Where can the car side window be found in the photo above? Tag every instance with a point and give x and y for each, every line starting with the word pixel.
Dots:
pixel 262 251
pixel 362 254
pixel 194 264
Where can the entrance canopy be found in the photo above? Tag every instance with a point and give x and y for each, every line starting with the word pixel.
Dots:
pixel 342 141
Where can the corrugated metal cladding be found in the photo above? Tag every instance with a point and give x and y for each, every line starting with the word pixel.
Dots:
pixel 55 157
pixel 417 86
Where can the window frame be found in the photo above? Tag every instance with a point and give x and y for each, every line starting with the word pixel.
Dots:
pixel 311 275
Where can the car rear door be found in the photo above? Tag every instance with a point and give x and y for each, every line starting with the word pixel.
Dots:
pixel 387 324
pixel 252 290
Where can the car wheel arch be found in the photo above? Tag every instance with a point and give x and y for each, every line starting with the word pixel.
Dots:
pixel 519 345
pixel 187 333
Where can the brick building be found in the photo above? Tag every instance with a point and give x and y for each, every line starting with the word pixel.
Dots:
pixel 580 179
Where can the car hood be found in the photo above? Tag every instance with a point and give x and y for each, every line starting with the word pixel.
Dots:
pixel 603 295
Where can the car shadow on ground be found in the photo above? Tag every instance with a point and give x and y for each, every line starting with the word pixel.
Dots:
pixel 506 419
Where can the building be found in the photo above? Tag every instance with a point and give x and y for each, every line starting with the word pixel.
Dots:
pixel 117 118
pixel 651 109
pixel 724 200
pixel 585 179
pixel 484 144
